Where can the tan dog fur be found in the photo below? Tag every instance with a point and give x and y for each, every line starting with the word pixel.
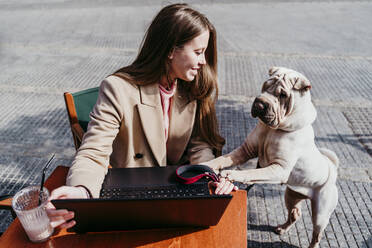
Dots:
pixel 283 141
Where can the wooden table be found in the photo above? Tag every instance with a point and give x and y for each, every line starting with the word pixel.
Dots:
pixel 231 231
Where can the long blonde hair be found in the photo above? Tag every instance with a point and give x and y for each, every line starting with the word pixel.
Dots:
pixel 173 27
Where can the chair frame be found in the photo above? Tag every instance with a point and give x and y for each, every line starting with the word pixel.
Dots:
pixel 6 204
pixel 76 129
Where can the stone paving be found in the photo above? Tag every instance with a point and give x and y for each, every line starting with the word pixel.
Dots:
pixel 49 47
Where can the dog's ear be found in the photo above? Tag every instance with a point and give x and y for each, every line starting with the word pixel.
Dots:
pixel 273 70
pixel 265 85
pixel 302 83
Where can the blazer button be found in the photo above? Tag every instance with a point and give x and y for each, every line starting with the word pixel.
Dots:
pixel 138 155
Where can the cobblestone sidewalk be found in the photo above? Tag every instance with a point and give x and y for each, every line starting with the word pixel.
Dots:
pixel 49 47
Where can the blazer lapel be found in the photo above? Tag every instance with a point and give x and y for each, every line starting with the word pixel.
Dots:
pixel 180 127
pixel 151 115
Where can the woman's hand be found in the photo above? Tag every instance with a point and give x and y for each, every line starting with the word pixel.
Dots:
pixel 62 217
pixel 224 187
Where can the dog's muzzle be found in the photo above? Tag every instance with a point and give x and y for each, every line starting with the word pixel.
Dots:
pixel 262 109
pixel 259 107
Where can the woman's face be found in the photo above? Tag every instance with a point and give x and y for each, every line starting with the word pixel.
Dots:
pixel 187 60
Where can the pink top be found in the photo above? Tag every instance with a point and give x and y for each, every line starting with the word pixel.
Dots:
pixel 166 97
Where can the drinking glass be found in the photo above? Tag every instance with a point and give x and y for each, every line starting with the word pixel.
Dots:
pixel 33 216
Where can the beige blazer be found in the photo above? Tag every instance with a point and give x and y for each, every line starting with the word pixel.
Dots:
pixel 127 130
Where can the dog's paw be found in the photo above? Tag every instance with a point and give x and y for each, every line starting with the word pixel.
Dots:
pixel 214 168
pixel 217 171
pixel 280 230
pixel 214 165
pixel 226 173
pixel 232 175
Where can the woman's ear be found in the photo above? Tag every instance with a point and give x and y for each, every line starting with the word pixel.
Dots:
pixel 171 53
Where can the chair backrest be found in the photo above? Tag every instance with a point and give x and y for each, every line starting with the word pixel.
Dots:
pixel 79 105
pixel 84 102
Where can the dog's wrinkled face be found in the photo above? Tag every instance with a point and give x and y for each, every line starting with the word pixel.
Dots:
pixel 279 95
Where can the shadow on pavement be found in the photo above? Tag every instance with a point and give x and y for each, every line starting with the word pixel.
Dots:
pixel 282 244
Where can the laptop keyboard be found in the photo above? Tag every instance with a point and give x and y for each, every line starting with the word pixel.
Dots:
pixel 157 192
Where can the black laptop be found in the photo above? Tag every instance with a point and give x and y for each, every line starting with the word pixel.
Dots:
pixel 146 198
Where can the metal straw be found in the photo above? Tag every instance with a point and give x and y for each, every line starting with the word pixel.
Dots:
pixel 43 177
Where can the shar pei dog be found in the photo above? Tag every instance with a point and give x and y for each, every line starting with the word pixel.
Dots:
pixel 283 141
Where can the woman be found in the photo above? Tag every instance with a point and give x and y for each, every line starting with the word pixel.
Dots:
pixel 157 111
